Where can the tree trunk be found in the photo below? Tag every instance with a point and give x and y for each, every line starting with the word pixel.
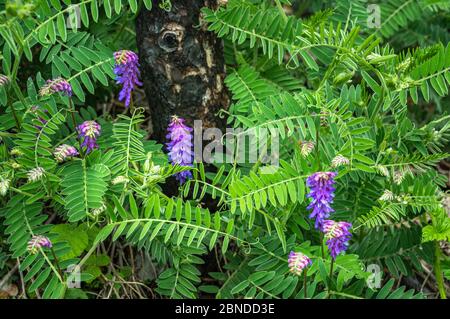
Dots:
pixel 182 66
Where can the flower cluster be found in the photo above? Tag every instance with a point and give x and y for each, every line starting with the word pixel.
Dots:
pixel 337 235
pixel 37 242
pixel 127 73
pixel 180 146
pixel 322 194
pixel 35 174
pixel 306 147
pixel 297 262
pixel 339 160
pixel 88 132
pixel 56 85
pixel 387 196
pixel 4 186
pixel 4 80
pixel 64 151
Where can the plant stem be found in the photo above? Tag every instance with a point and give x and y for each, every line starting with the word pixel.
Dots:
pixel 438 271
pixel 317 148
pixel 57 263
pixel 74 122
pixel 305 284
pixel 331 273
pixel 321 245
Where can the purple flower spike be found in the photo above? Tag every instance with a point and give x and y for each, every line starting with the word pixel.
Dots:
pixel 337 235
pixel 37 242
pixel 127 73
pixel 64 151
pixel 56 85
pixel 180 146
pixel 297 262
pixel 321 185
pixel 88 132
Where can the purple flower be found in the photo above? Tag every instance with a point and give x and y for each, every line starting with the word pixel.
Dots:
pixel 88 131
pixel 321 185
pixel 297 262
pixel 337 235
pixel 56 85
pixel 127 73
pixel 37 242
pixel 64 151
pixel 180 146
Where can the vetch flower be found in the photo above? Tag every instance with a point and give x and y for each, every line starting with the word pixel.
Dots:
pixel 180 146
pixel 387 196
pixel 297 262
pixel 37 242
pixel 398 177
pixel 337 235
pixel 56 85
pixel 16 152
pixel 306 147
pixel 339 160
pixel 127 73
pixel 4 186
pixel 35 174
pixel 64 151
pixel 322 194
pixel 98 211
pixel 120 180
pixel 88 132
pixel 4 80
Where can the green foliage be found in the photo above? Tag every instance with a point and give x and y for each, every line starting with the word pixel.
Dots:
pixel 322 78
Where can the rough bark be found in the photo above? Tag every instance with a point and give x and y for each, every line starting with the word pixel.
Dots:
pixel 182 65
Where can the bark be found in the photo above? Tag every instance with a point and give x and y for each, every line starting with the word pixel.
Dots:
pixel 182 66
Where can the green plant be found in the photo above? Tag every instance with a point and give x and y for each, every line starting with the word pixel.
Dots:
pixel 325 79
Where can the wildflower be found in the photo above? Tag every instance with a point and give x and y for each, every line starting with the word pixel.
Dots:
pixel 56 85
pixel 398 177
pixel 339 160
pixel 98 211
pixel 382 170
pixel 64 151
pixel 306 148
pixel 16 152
pixel 127 73
pixel 180 146
pixel 154 170
pixel 297 262
pixel 120 180
pixel 4 186
pixel 387 196
pixel 4 80
pixel 35 174
pixel 337 235
pixel 321 185
pixel 37 242
pixel 88 131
